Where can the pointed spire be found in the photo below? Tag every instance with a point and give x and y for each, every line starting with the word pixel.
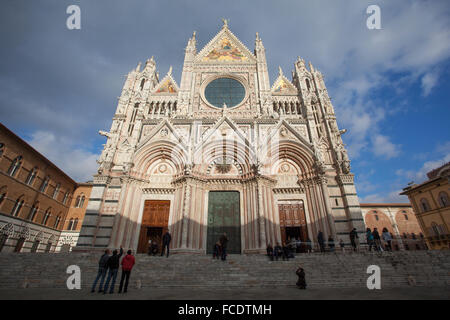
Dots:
pixel 257 36
pixel 311 68
pixel 138 68
pixel 170 71
pixel 225 23
pixel 280 71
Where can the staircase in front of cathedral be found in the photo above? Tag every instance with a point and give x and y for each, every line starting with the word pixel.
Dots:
pixel 398 269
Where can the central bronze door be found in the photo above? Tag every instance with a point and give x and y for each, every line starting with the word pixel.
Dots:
pixel 224 216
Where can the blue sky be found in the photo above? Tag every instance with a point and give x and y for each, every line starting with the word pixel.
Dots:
pixel 390 87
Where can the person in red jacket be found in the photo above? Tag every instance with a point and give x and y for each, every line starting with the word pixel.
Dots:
pixel 127 264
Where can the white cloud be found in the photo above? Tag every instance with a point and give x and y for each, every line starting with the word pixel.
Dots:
pixel 79 164
pixel 382 147
pixel 391 197
pixel 429 81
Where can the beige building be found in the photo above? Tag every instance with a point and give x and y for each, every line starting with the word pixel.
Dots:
pixel 226 150
pixel 431 204
pixel 399 219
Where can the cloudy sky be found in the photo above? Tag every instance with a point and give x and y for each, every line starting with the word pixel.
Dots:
pixel 390 87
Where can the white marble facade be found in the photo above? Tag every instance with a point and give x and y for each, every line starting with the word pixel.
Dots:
pixel 281 143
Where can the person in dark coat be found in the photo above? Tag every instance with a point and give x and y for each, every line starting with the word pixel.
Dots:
pixel 102 268
pixel 113 267
pixel 127 264
pixel 376 239
pixel 353 237
pixel 308 245
pixel 301 282
pixel 216 250
pixel 166 243
pixel 277 251
pixel 331 243
pixel 286 252
pixel 269 251
pixel 223 244
pixel 321 241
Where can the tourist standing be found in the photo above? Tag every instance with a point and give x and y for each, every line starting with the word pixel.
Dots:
pixel 223 243
pixel 277 251
pixel 308 245
pixel 387 238
pixel 127 264
pixel 269 251
pixel 166 243
pixel 102 268
pixel 342 245
pixel 216 250
pixel 321 241
pixel 369 238
pixel 113 267
pixel 353 237
pixel 377 239
pixel 331 243
pixel 301 282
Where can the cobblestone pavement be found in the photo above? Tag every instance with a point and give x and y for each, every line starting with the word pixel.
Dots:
pixel 441 293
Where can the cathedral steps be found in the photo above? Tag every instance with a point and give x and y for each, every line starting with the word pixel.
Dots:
pixel 425 268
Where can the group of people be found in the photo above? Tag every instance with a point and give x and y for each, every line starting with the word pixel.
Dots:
pixel 285 252
pixel 374 239
pixel 109 264
pixel 220 248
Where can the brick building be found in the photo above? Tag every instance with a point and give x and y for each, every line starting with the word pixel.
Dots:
pixel 35 196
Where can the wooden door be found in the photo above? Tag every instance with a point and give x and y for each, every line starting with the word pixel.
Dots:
pixel 224 216
pixel 293 215
pixel 155 222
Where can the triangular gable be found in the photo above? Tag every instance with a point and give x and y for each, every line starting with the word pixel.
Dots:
pixel 167 85
pixel 283 86
pixel 225 47
pixel 171 134
pixel 224 121
pixel 278 129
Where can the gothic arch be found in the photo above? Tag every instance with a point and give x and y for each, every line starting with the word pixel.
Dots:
pixel 240 155
pixel 169 151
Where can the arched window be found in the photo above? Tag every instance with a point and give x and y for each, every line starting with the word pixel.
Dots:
pixel 308 86
pixel 82 201
pixel 2 196
pixel 435 229
pixel 46 216
pixel 142 84
pixel 33 211
pixel 75 223
pixel 17 207
pixel 2 149
pixel 15 166
pixel 443 199
pixel 31 176
pixel 69 226
pixel 57 221
pixel 55 193
pixel 406 216
pixel 376 217
pixel 44 184
pixel 425 205
pixel 77 202
pixel 66 197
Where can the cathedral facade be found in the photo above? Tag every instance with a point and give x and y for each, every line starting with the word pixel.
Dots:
pixel 223 151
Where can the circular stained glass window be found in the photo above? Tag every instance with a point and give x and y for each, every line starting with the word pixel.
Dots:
pixel 224 90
